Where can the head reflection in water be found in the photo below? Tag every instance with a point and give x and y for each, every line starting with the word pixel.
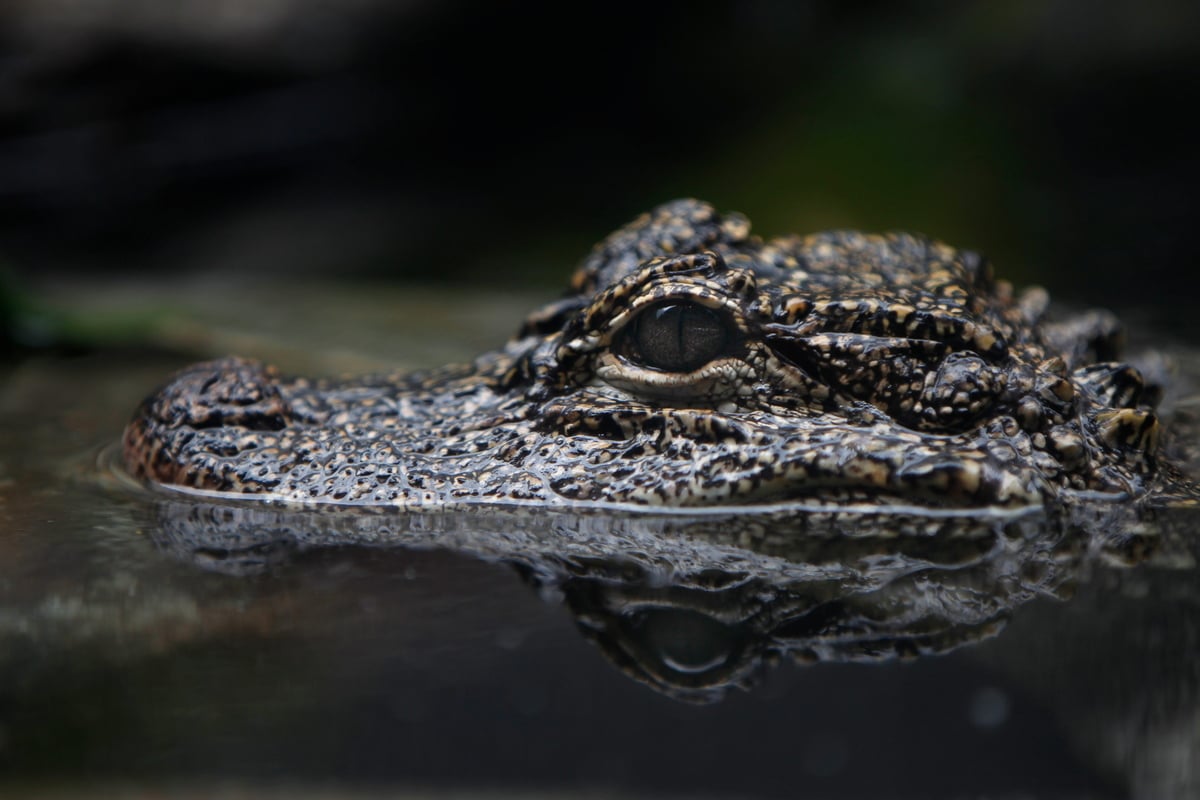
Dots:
pixel 695 606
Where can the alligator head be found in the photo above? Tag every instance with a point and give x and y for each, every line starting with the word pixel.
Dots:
pixel 693 364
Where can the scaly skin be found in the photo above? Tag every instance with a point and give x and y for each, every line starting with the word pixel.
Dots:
pixel 691 363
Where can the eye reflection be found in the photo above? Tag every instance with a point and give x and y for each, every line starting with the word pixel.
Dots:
pixel 679 337
pixel 685 641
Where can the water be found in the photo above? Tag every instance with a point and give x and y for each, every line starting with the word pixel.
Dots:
pixel 154 643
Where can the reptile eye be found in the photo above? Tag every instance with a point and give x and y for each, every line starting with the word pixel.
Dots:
pixel 679 337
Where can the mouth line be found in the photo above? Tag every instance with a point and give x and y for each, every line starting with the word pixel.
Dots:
pixel 866 510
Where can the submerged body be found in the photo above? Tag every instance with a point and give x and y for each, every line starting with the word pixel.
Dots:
pixel 690 364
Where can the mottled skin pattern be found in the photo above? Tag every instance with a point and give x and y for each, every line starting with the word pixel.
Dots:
pixel 692 364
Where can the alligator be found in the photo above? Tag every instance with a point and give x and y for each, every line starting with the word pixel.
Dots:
pixel 692 364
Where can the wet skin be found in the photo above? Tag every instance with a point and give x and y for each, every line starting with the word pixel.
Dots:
pixel 689 364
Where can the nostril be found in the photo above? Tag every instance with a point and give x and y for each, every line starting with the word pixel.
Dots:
pixel 226 393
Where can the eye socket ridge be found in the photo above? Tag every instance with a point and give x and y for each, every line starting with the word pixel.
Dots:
pixel 678 336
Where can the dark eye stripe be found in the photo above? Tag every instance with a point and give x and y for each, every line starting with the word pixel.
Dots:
pixel 678 337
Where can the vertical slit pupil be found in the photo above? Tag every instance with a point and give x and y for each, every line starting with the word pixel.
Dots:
pixel 679 337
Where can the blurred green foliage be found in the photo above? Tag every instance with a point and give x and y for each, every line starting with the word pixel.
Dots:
pixel 29 324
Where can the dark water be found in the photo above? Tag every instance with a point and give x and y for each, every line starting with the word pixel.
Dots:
pixel 151 641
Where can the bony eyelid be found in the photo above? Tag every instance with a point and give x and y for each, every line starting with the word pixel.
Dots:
pixel 717 380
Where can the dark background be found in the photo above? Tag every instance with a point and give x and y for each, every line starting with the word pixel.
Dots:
pixel 440 142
